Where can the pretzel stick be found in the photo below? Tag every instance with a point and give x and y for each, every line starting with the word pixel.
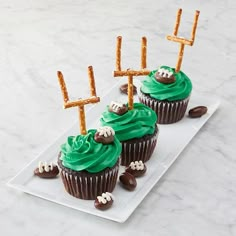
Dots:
pixel 180 40
pixel 183 41
pixel 180 58
pixel 83 130
pixel 91 81
pixel 63 86
pixel 178 17
pixel 118 53
pixel 130 92
pixel 144 53
pixel 131 72
pixel 197 13
pixel 81 102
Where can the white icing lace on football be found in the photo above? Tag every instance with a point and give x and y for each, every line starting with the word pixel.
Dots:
pixel 44 166
pixel 106 197
pixel 106 131
pixel 116 105
pixel 164 73
pixel 137 165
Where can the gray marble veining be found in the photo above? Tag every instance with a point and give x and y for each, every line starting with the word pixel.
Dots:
pixel 197 196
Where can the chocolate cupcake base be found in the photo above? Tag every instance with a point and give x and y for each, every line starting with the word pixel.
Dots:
pixel 138 149
pixel 167 112
pixel 85 185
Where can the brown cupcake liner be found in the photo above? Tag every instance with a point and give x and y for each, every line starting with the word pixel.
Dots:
pixel 138 149
pixel 167 112
pixel 85 185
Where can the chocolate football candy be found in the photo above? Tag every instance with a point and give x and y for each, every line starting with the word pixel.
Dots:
pixel 104 135
pixel 104 202
pixel 46 171
pixel 128 181
pixel 197 111
pixel 118 108
pixel 165 76
pixel 124 89
pixel 137 168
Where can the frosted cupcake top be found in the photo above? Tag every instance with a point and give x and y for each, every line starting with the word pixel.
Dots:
pixel 129 124
pixel 82 152
pixel 178 88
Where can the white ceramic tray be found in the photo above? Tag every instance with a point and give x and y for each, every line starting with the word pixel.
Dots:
pixel 176 135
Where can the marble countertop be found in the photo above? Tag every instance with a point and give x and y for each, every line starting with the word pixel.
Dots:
pixel 197 196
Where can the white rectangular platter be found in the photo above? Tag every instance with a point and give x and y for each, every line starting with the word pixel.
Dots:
pixel 176 135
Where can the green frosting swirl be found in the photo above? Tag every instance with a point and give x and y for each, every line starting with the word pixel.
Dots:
pixel 82 152
pixel 178 90
pixel 134 123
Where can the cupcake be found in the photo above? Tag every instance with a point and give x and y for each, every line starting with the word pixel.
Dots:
pixel 89 163
pixel 135 128
pixel 167 93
